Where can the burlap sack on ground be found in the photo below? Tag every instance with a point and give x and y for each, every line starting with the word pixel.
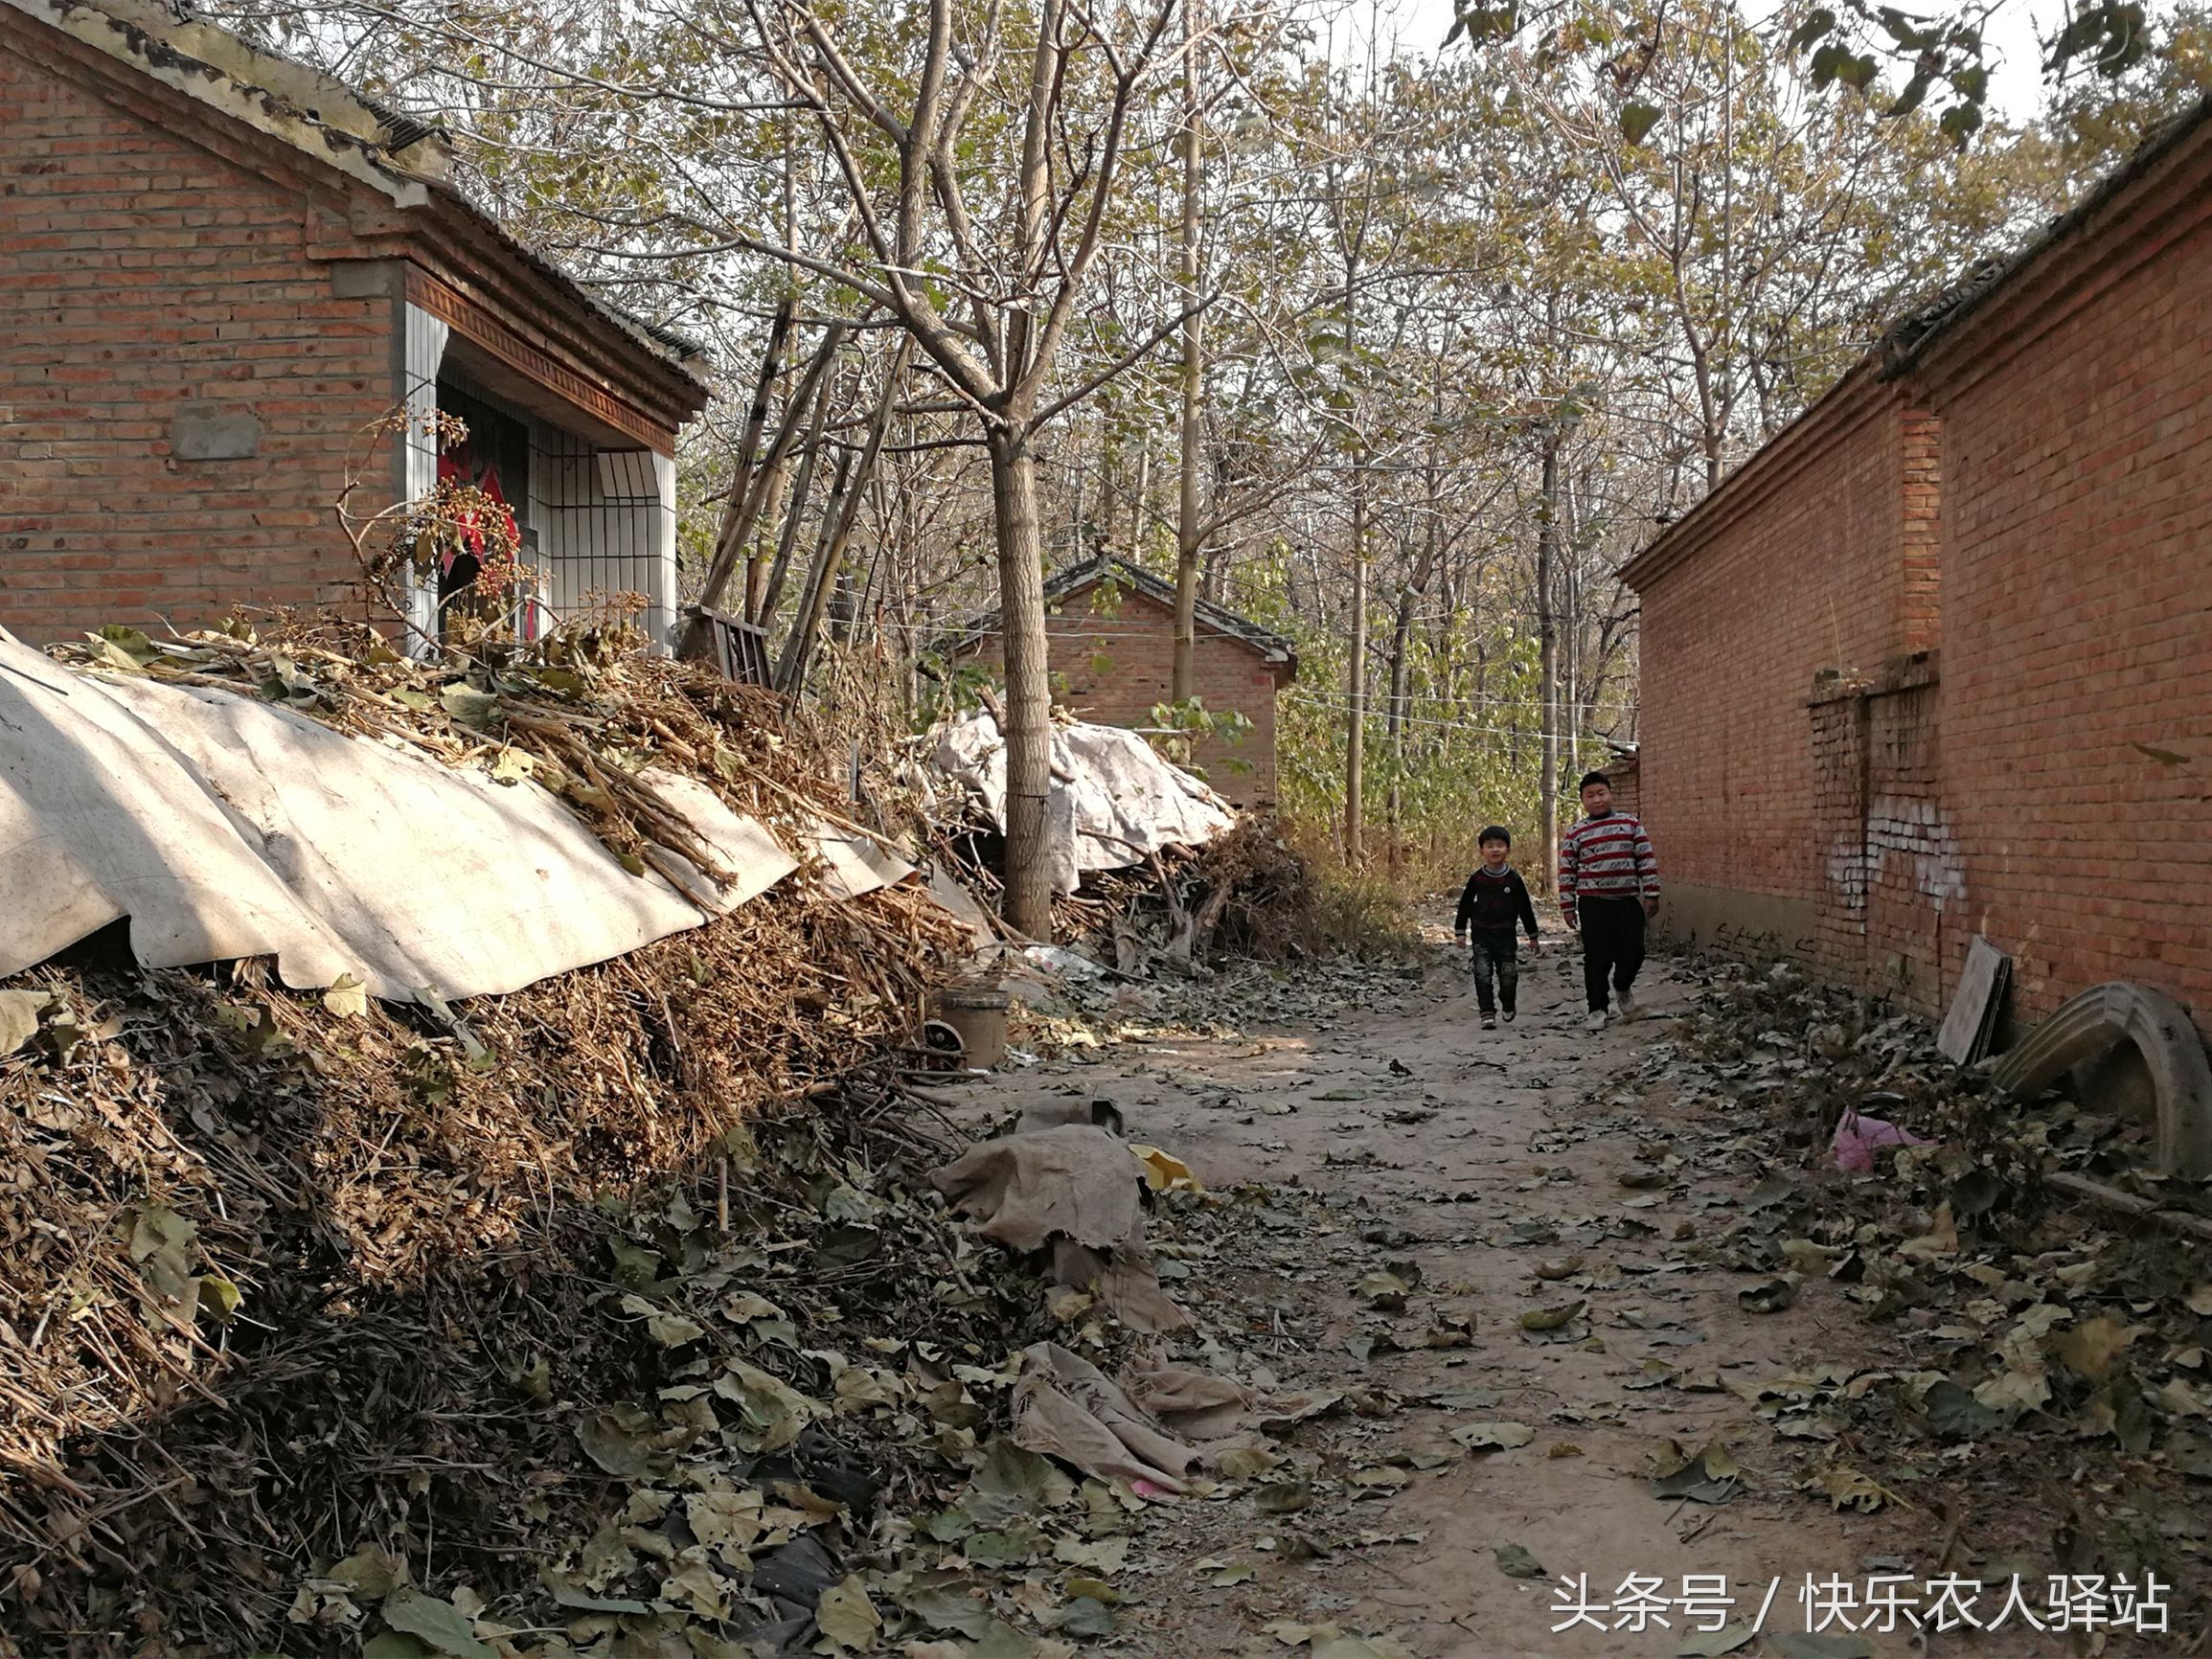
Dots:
pixel 1195 1404
pixel 1075 1182
pixel 1065 1407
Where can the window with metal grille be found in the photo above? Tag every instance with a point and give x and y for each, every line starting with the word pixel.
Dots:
pixel 595 511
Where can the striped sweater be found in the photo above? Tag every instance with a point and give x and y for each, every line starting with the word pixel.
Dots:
pixel 1608 857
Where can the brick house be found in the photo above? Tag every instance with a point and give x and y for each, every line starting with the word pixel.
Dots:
pixel 1981 701
pixel 222 269
pixel 1112 626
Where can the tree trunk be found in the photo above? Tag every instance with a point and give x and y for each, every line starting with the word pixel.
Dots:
pixel 1028 706
pixel 1109 460
pixel 1409 593
pixel 1187 533
pixel 1401 631
pixel 1401 625
pixel 1571 628
pixel 1139 507
pixel 1443 643
pixel 795 509
pixel 1547 654
pixel 854 474
pixel 821 572
pixel 734 525
pixel 1356 677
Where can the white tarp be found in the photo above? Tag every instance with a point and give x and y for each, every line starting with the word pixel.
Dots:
pixel 856 863
pixel 225 826
pixel 1113 800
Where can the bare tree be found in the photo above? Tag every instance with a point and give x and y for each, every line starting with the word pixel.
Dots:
pixel 983 266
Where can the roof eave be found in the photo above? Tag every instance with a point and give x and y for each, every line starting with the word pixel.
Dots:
pixel 1858 395
pixel 1914 336
pixel 341 130
pixel 1262 642
pixel 142 45
pixel 455 218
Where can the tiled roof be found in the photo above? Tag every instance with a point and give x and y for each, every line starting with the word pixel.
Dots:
pixel 1078 579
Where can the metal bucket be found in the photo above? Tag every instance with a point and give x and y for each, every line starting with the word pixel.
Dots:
pixel 978 1014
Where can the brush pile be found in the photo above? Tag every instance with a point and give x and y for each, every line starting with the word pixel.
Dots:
pixel 287 1276
pixel 584 714
pixel 1247 893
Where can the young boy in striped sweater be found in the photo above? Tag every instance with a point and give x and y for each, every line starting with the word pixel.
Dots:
pixel 1609 884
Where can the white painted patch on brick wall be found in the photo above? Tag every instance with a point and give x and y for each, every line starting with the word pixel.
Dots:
pixel 1919 832
pixel 1847 873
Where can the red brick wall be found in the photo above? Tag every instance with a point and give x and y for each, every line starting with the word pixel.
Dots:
pixel 1920 611
pixel 1116 663
pixel 1916 933
pixel 141 273
pixel 2036 502
pixel 2078 568
pixel 1803 576
pixel 1627 786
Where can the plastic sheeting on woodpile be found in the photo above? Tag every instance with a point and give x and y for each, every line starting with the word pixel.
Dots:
pixel 225 827
pixel 1114 800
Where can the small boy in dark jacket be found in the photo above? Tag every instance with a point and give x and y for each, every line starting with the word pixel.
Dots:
pixel 1493 899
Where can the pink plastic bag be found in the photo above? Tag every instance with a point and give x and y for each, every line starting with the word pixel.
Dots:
pixel 1857 1135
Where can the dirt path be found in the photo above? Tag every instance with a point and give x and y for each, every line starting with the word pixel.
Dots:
pixel 1414 1136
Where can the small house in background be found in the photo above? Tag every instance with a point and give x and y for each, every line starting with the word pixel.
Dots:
pixel 222 269
pixel 1112 626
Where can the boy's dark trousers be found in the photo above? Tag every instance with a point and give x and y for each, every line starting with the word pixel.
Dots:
pixel 1495 953
pixel 1613 945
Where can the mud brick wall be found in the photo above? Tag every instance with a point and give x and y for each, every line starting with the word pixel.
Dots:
pixel 2077 728
pixel 178 386
pixel 1113 663
pixel 1799 576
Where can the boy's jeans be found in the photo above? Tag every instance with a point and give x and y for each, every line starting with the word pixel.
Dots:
pixel 1495 952
pixel 1613 945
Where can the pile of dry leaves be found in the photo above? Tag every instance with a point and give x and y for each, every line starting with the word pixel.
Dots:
pixel 2057 1357
pixel 287 1275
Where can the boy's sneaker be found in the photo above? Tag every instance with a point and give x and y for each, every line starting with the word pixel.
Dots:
pixel 1509 1016
pixel 1596 1021
pixel 1490 1021
pixel 1627 1005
